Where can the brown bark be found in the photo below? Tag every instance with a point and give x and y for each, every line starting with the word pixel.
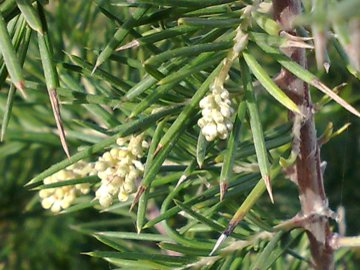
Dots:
pixel 307 172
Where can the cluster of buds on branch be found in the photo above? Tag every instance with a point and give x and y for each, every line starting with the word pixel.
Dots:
pixel 216 107
pixel 59 198
pixel 216 113
pixel 119 169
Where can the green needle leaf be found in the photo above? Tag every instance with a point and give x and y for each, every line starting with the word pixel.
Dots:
pixel 186 3
pixel 120 35
pixel 188 51
pixel 134 236
pixel 30 14
pixel 140 217
pixel 52 82
pixel 256 127
pixel 7 113
pixel 268 84
pixel 201 146
pixel 304 75
pixel 226 169
pixel 9 54
pixel 140 256
pixel 245 207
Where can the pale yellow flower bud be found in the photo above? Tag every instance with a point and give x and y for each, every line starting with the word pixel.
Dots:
pixel 47 202
pixel 216 112
pixel 65 203
pixel 56 207
pixel 101 165
pixel 60 198
pixel 107 157
pixel 138 165
pixel 123 197
pixel 45 193
pixel 223 135
pixel 106 200
pixel 218 118
pixel 221 128
pixel 128 187
pixel 118 173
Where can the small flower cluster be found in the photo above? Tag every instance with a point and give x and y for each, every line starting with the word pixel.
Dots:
pixel 59 198
pixel 216 106
pixel 216 113
pixel 119 169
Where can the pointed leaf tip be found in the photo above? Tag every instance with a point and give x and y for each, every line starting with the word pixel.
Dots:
pixel 268 187
pixel 20 85
pixel 268 83
pixel 327 66
pixel 138 194
pixel 181 179
pixel 158 149
pixel 97 64
pixel 223 188
pixel 323 88
pixel 221 239
pixel 56 111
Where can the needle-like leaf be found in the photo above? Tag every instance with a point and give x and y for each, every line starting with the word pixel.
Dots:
pixel 119 36
pixel 9 55
pixel 256 128
pixel 306 76
pixel 245 207
pixel 227 167
pixel 267 83
pixel 30 14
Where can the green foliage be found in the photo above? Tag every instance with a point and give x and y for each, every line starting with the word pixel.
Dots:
pixel 119 68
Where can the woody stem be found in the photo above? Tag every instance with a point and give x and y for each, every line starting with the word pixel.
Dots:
pixel 307 173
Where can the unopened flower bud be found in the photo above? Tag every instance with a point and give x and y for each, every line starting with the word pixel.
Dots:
pixel 216 112
pixel 61 197
pixel 123 196
pixel 106 200
pixel 118 174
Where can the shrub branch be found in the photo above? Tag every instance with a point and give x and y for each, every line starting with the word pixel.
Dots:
pixel 307 172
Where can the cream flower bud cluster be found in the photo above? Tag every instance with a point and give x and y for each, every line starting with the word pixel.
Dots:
pixel 216 113
pixel 59 198
pixel 216 106
pixel 119 169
